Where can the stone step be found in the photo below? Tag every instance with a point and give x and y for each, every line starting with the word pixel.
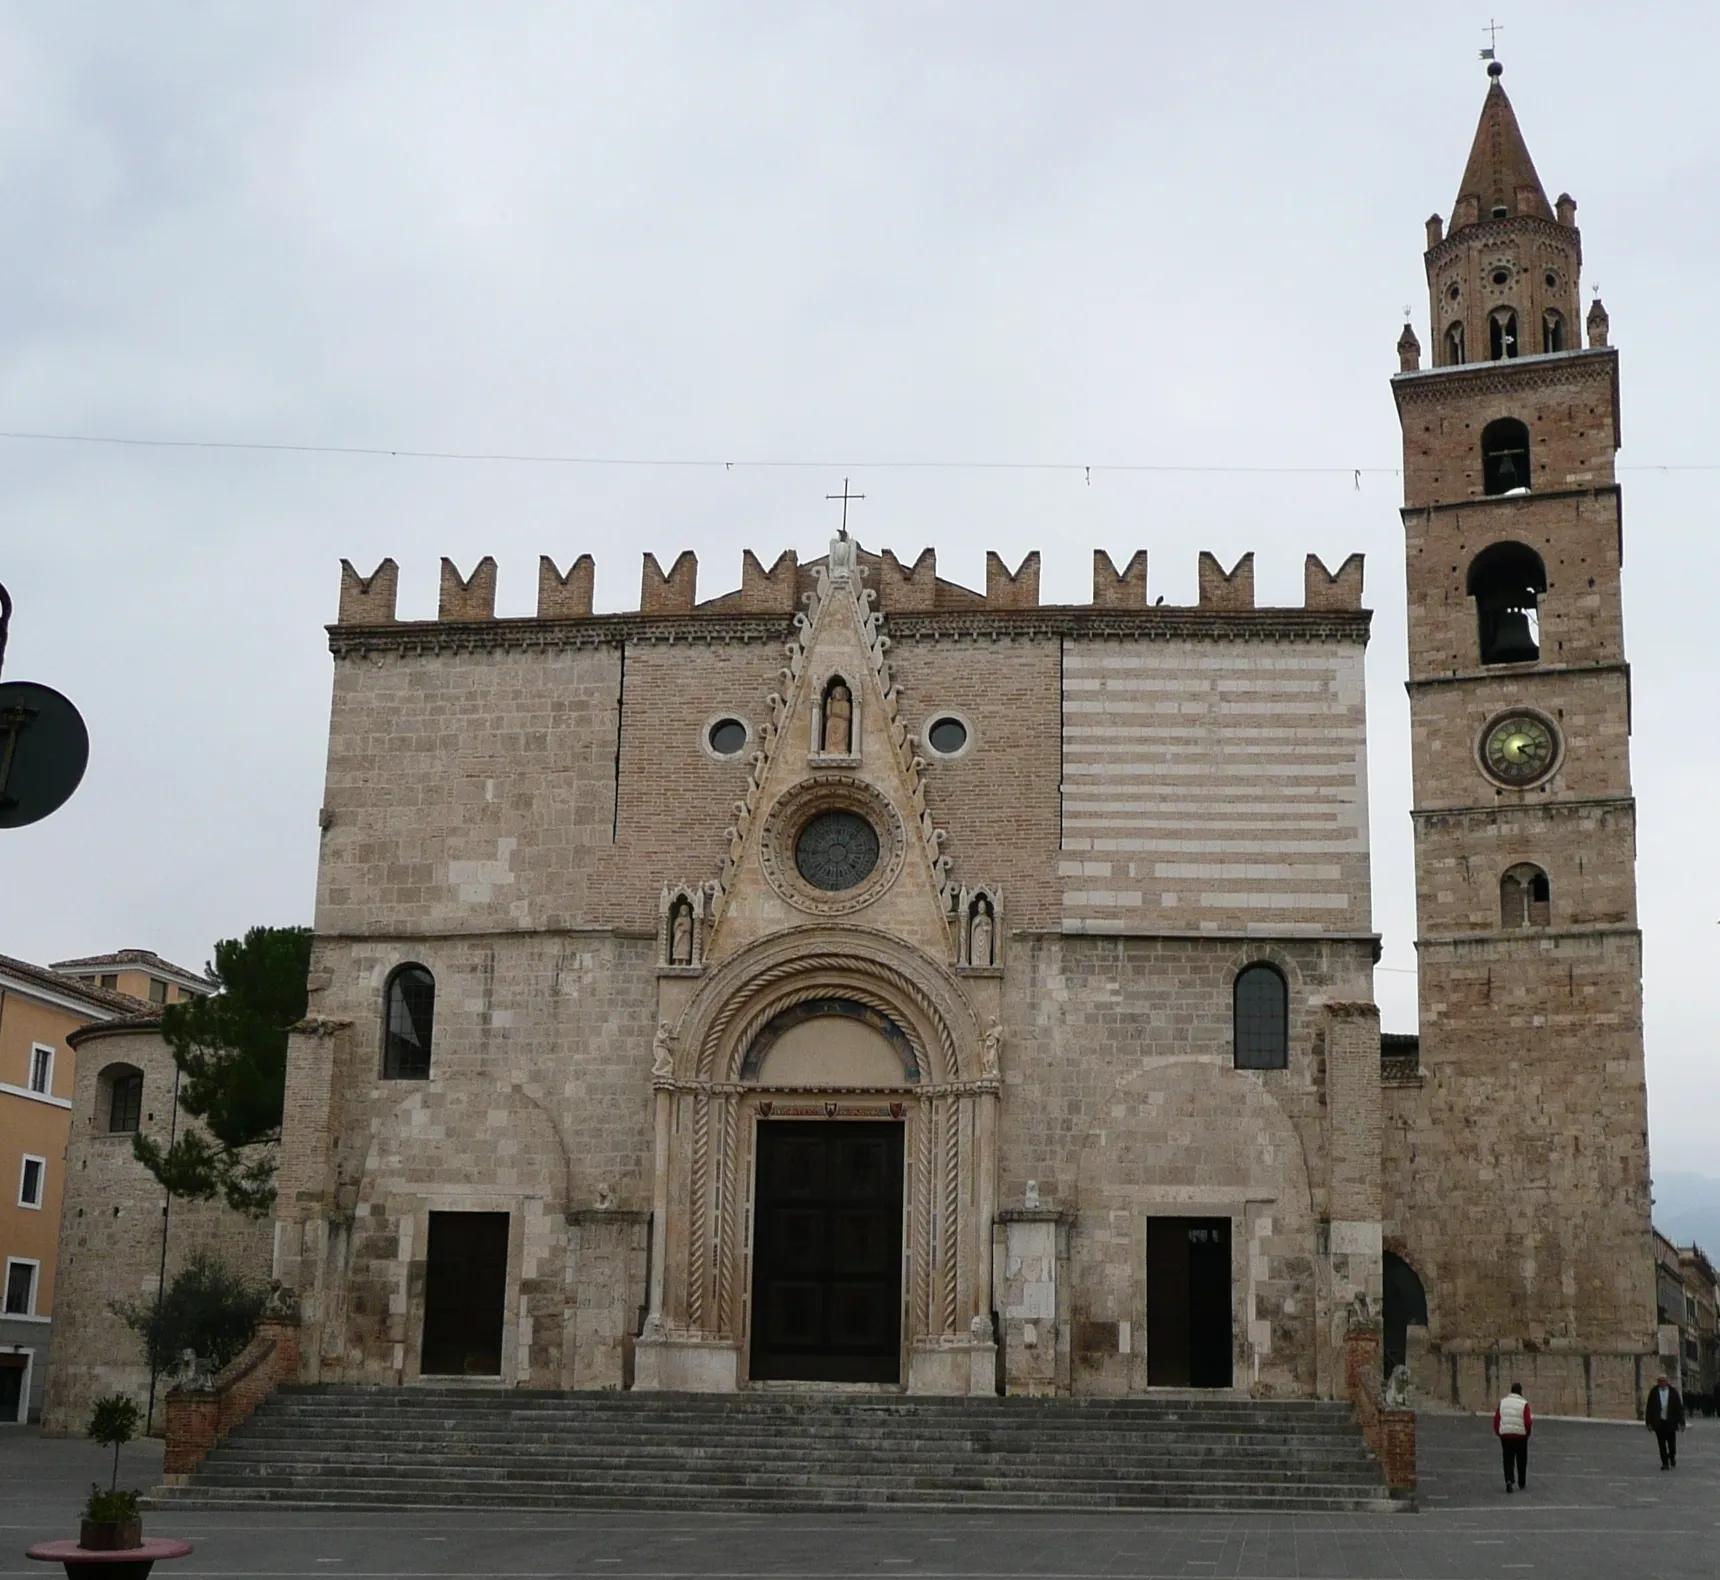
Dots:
pixel 260 1446
pixel 1243 1497
pixel 491 1448
pixel 232 1467
pixel 835 1434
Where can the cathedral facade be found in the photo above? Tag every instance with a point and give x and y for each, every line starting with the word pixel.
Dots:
pixel 860 980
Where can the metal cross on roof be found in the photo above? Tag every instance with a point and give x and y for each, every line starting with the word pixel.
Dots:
pixel 1492 30
pixel 844 496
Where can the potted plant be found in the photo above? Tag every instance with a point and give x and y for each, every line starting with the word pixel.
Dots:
pixel 111 1520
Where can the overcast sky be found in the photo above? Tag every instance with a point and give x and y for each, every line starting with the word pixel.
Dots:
pixel 1090 234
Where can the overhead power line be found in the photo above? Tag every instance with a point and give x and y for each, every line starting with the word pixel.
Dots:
pixel 530 458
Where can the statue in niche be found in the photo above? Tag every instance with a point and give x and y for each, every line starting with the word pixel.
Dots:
pixel 662 1054
pixel 838 720
pixel 980 933
pixel 681 934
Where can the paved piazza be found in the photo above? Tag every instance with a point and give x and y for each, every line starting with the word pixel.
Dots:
pixel 1598 1507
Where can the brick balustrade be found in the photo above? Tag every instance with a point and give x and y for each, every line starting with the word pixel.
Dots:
pixel 1390 1433
pixel 198 1417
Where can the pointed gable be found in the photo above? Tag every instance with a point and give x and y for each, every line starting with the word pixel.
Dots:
pixel 1500 174
pixel 835 748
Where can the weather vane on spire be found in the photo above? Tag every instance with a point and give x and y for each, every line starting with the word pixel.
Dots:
pixel 844 496
pixel 1492 30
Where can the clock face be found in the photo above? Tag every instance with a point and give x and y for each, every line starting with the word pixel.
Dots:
pixel 836 851
pixel 1519 748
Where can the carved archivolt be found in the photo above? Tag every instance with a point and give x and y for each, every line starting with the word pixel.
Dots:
pixel 736 999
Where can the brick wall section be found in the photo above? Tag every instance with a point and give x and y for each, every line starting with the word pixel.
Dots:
pixel 999 800
pixel 368 600
pixel 1339 589
pixel 1226 589
pixel 775 591
pixel 1215 785
pixel 1125 589
pixel 565 596
pixel 467 597
pixel 1007 589
pixel 1353 1099
pixel 671 593
pixel 110 1235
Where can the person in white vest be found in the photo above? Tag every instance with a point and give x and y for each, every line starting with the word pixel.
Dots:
pixel 1512 1424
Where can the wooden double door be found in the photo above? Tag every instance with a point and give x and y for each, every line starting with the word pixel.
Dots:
pixel 827 1252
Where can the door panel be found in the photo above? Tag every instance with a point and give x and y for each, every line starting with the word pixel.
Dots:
pixel 827 1252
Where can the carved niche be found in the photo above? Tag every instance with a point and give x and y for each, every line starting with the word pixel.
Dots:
pixel 978 926
pixel 683 926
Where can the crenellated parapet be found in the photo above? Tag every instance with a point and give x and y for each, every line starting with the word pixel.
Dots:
pixel 896 588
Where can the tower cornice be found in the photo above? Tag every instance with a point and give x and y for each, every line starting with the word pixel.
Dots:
pixel 1507 375
pixel 1490 232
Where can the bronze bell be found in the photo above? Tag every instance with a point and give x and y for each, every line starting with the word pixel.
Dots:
pixel 1513 642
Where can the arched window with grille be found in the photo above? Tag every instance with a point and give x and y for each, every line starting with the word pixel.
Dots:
pixel 1261 1011
pixel 409 1020
pixel 1525 897
pixel 119 1099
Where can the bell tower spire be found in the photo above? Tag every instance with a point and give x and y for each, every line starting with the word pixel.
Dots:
pixel 1504 281
pixel 1530 1109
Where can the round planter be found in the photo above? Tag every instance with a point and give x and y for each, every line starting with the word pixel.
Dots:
pixel 110 1536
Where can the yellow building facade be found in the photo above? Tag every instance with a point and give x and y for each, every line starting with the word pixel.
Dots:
pixel 40 1007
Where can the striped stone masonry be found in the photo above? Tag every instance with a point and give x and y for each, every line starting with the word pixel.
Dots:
pixel 1214 786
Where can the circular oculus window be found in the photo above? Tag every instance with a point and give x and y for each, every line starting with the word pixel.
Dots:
pixel 947 735
pixel 1519 749
pixel 1501 276
pixel 836 851
pixel 832 844
pixel 726 737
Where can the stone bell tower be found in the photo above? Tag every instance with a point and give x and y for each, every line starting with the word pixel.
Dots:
pixel 1517 1157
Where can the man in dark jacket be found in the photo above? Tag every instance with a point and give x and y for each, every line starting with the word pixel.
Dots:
pixel 1665 1417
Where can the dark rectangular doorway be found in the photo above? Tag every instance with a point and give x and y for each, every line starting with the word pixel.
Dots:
pixel 827 1253
pixel 465 1294
pixel 1188 1303
pixel 12 1402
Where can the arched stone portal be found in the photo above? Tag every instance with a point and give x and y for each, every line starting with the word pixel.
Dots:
pixel 910 1053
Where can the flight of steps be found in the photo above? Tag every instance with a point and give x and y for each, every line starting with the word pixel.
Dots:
pixel 336 1447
